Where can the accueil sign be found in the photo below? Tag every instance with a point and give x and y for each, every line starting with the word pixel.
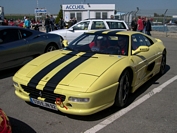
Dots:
pixel 74 7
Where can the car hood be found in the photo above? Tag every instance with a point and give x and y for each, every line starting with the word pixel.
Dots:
pixel 58 31
pixel 59 69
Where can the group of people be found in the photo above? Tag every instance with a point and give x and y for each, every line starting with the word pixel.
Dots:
pixel 51 25
pixel 25 22
pixel 143 24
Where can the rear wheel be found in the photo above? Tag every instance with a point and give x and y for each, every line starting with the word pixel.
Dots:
pixel 51 47
pixel 123 90
pixel 163 64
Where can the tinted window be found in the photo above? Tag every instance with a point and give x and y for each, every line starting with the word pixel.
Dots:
pixel 25 33
pixel 116 25
pixel 9 35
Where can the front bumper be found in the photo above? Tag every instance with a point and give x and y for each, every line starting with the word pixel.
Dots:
pixel 98 100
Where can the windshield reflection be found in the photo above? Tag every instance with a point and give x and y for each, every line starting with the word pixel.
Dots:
pixel 99 43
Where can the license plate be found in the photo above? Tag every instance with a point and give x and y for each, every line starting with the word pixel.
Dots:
pixel 43 104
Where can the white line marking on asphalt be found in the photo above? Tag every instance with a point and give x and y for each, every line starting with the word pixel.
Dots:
pixel 120 113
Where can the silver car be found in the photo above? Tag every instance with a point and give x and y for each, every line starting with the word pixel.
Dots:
pixel 19 45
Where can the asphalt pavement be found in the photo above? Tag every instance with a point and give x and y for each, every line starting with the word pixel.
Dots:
pixel 153 107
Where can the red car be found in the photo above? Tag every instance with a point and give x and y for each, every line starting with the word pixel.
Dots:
pixel 5 126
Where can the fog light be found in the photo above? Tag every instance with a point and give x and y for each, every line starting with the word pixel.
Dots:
pixel 75 99
pixel 16 84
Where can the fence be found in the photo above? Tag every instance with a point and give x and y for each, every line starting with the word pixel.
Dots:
pixel 160 18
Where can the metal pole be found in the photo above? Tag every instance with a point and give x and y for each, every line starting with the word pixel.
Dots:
pixel 136 11
pixel 37 4
pixel 129 18
pixel 165 26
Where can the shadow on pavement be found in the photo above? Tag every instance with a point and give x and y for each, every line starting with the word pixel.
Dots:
pixel 8 73
pixel 20 127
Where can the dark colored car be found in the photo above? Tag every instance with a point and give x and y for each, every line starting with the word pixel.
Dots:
pixel 19 45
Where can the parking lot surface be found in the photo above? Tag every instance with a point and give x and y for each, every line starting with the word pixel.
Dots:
pixel 152 108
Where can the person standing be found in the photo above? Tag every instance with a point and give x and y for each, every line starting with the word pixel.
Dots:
pixel 140 24
pixel 27 23
pixel 47 24
pixel 52 23
pixel 5 22
pixel 134 24
pixel 62 23
pixel 144 24
pixel 74 21
pixel 112 17
pixel 148 27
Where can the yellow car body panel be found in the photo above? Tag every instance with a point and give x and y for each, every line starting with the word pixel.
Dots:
pixel 93 77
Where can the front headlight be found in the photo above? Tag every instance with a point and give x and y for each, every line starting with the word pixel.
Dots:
pixel 75 99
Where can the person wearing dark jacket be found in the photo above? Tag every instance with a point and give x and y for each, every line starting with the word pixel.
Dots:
pixel 148 27
pixel 47 24
pixel 62 23
pixel 134 24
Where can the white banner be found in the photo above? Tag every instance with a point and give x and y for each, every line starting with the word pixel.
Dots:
pixel 40 11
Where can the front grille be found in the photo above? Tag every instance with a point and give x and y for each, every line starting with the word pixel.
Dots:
pixel 49 96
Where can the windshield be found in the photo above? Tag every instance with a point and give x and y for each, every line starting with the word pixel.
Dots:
pixel 100 43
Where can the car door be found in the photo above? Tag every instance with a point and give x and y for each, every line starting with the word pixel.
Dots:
pixel 77 30
pixel 12 48
pixel 144 62
pixel 34 41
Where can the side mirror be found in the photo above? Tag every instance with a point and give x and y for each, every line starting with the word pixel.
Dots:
pixel 65 43
pixel 140 49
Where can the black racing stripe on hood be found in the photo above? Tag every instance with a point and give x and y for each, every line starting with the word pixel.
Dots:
pixel 53 82
pixel 35 80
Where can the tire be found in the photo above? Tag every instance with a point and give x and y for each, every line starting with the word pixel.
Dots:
pixel 123 90
pixel 163 64
pixel 51 47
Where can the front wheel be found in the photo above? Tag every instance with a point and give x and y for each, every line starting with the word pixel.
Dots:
pixel 123 90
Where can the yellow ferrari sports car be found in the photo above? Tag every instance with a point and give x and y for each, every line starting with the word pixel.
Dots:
pixel 97 70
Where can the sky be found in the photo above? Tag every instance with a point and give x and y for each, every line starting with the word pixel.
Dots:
pixel 53 6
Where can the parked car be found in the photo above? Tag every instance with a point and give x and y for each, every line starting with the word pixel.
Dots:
pixel 19 45
pixel 87 25
pixel 95 71
pixel 5 126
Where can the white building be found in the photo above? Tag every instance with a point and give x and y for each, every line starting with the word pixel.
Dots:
pixel 85 11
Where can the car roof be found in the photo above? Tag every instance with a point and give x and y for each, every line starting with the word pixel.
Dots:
pixel 106 19
pixel 117 32
pixel 111 32
pixel 9 27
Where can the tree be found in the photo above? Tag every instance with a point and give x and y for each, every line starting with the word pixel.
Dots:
pixel 60 15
